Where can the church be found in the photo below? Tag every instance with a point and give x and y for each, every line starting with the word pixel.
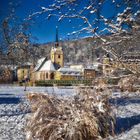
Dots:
pixel 45 69
pixel 54 69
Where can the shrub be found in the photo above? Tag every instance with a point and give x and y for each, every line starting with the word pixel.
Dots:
pixel 128 83
pixel 113 81
pixel 62 82
pixel 86 116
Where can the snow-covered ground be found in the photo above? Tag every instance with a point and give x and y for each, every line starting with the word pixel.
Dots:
pixel 14 108
pixel 19 91
pixel 128 118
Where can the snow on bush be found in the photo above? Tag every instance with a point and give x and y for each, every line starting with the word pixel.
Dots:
pixel 86 116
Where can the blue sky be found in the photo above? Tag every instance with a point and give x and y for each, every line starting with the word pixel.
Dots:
pixel 43 29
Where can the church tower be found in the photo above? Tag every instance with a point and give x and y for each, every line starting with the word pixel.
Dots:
pixel 107 66
pixel 57 56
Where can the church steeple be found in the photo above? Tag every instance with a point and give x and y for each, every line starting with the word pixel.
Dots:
pixel 57 56
pixel 56 39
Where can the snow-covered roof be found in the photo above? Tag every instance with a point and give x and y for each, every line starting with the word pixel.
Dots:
pixel 77 67
pixel 97 63
pixel 11 67
pixel 72 74
pixel 90 68
pixel 39 62
pixel 47 66
pixel 27 63
pixel 69 71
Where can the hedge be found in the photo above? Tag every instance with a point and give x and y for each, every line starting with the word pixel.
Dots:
pixel 62 82
pixel 113 81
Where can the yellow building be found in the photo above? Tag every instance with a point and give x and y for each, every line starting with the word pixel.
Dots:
pixel 67 73
pixel 107 65
pixel 57 56
pixel 129 61
pixel 24 72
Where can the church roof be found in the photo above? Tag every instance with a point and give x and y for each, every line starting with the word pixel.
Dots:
pixel 39 62
pixel 44 65
pixel 48 66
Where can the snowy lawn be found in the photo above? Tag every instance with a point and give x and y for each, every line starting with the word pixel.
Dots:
pixel 128 118
pixel 14 108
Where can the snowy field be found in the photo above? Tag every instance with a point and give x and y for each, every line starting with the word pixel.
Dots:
pixel 128 118
pixel 14 108
pixel 19 91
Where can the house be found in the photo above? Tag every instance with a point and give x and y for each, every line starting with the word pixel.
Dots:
pixel 89 73
pixel 107 65
pixel 24 72
pixel 130 61
pixel 67 73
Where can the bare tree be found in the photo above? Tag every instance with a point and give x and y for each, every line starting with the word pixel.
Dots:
pixel 16 38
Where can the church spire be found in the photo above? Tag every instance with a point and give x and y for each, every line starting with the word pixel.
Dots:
pixel 56 40
pixel 57 56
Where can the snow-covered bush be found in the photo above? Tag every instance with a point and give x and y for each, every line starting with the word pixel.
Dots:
pixel 128 83
pixel 87 116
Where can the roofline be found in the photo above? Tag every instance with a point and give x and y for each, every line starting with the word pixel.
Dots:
pixel 42 64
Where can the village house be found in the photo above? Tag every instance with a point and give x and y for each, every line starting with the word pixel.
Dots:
pixel 24 72
pixel 128 61
pixel 108 66
pixel 67 73
pixel 89 73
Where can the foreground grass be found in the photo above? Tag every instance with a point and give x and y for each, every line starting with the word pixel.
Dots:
pixel 86 116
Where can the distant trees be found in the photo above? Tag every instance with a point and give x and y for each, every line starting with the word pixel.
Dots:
pixel 16 43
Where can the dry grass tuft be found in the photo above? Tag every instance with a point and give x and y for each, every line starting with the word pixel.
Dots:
pixel 128 83
pixel 87 116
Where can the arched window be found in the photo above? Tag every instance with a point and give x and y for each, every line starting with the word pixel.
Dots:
pixel 52 76
pixel 47 75
pixel 59 56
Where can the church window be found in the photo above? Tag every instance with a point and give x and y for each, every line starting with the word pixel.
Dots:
pixel 52 76
pixel 47 75
pixel 59 56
